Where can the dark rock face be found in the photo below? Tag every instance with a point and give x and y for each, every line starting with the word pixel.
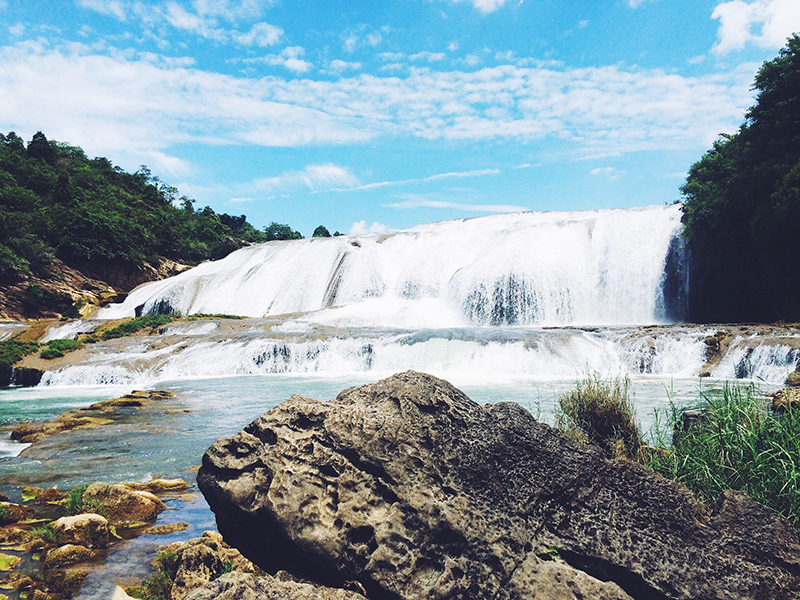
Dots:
pixel 414 491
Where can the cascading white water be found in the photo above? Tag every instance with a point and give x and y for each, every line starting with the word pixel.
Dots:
pixel 597 267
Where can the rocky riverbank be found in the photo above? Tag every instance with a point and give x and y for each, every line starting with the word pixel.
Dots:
pixel 408 489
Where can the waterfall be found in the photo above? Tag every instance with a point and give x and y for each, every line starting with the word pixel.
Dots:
pixel 606 267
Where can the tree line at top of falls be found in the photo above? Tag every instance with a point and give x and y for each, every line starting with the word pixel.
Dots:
pixel 60 210
pixel 742 208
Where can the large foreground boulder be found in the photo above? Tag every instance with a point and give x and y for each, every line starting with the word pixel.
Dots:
pixel 414 491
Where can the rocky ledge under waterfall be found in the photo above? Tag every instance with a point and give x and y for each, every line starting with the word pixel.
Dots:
pixel 408 489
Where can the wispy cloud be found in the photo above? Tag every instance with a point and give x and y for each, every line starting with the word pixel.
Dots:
pixel 313 178
pixel 437 177
pixel 112 8
pixel 414 201
pixel 740 23
pixel 115 100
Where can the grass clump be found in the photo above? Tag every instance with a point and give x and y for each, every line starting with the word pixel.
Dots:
pixel 135 325
pixel 45 533
pixel 159 585
pixel 73 503
pixel 734 442
pixel 215 316
pixel 601 412
pixel 58 348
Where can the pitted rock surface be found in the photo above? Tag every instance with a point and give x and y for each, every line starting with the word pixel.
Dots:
pixel 414 491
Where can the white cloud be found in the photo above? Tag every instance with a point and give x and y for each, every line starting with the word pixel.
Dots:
pixel 415 201
pixel 339 65
pixel 17 30
pixel 636 3
pixel 486 6
pixel 453 46
pixel 118 102
pixel 289 58
pixel 260 34
pixel 313 178
pixel 766 23
pixel 362 37
pixel 609 172
pixel 111 8
pixel 360 228
pixel 437 177
pixel 240 200
pixel 522 166
pixel 428 56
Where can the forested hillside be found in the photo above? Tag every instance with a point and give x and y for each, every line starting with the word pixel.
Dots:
pixel 742 209
pixel 59 209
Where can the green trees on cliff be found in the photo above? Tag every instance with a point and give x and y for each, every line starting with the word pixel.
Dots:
pixel 742 209
pixel 56 202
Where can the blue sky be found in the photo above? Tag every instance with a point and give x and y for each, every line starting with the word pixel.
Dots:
pixel 372 116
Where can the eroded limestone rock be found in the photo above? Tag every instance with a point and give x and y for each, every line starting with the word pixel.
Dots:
pixel 416 492
pixel 89 530
pixel 243 586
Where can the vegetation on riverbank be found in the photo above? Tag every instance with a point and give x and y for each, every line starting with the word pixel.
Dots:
pixel 730 440
pixel 743 206
pixel 734 441
pixel 136 324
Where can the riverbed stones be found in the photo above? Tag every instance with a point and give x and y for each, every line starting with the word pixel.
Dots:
pixel 414 491
pixel 11 512
pixel 122 505
pixel 66 555
pixel 88 529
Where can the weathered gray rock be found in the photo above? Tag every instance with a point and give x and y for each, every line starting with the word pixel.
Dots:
pixel 202 559
pixel 416 492
pixel 241 586
pixel 88 529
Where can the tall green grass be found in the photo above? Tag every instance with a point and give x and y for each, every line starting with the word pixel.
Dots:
pixel 737 443
pixel 134 325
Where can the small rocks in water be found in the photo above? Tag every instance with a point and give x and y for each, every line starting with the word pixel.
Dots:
pixel 87 529
pixel 413 490
pixel 159 486
pixel 66 555
pixel 8 561
pixel 166 529
pixel 123 506
pixel 14 513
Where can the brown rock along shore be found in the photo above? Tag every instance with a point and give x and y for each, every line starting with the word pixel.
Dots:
pixel 407 489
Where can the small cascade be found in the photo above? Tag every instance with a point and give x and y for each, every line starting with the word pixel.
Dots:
pixel 607 267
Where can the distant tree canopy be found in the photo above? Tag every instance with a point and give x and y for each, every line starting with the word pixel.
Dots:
pixel 277 231
pixel 742 209
pixel 321 231
pixel 56 202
